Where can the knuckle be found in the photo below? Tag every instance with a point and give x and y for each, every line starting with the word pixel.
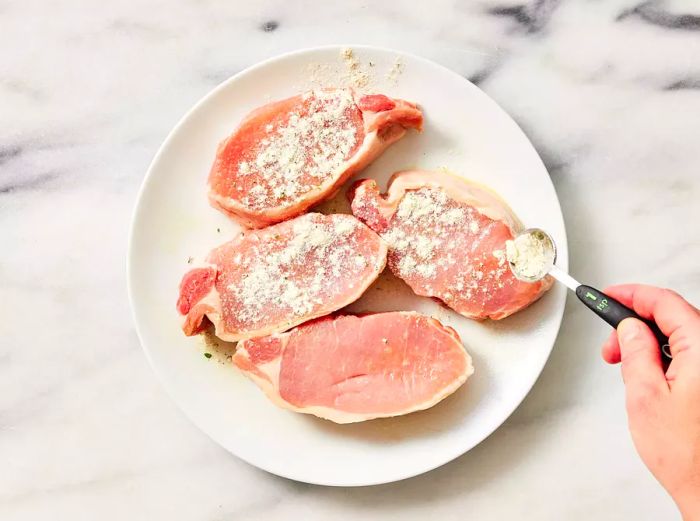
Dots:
pixel 679 346
pixel 670 294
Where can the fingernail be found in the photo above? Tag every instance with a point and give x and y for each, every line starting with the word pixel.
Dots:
pixel 628 330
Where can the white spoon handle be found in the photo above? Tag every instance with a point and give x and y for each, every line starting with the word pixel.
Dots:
pixel 564 278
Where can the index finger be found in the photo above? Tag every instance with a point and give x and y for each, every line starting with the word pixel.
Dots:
pixel 667 308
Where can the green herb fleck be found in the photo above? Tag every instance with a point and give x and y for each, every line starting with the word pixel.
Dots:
pixel 218 230
pixel 207 355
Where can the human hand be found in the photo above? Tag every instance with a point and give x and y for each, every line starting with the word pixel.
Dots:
pixel 663 409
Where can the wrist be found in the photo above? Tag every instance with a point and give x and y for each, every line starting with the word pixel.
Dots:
pixel 689 505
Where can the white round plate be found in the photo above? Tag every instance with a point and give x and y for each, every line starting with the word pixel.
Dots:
pixel 466 132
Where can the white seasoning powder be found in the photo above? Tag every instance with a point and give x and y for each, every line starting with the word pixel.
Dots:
pixel 357 74
pixel 435 244
pixel 501 256
pixel 426 221
pixel 395 71
pixel 426 270
pixel 296 275
pixel 256 194
pixel 306 151
pixel 528 256
pixel 397 239
pixel 344 227
pixel 407 264
pixel 424 247
pixel 452 216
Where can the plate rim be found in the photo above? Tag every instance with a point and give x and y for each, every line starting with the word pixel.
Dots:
pixel 562 246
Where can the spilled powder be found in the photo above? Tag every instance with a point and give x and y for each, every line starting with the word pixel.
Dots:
pixel 350 71
pixel 318 74
pixel 357 74
pixel 395 72
pixel 214 349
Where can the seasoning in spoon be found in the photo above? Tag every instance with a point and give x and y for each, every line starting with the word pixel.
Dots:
pixel 530 255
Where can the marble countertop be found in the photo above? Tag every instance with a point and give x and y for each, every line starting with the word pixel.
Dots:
pixel 609 93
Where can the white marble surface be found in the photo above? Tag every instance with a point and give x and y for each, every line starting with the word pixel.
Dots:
pixel 609 93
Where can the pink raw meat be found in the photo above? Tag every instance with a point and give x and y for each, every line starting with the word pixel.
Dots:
pixel 354 368
pixel 447 239
pixel 291 154
pixel 270 280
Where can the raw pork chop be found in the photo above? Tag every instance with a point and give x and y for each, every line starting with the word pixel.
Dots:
pixel 447 239
pixel 270 280
pixel 354 368
pixel 291 154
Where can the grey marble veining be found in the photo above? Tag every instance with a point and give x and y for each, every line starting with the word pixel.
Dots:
pixel 609 93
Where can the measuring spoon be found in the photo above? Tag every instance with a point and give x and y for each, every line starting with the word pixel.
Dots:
pixel 606 307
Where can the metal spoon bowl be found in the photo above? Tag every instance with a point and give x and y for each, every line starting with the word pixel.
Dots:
pixel 548 258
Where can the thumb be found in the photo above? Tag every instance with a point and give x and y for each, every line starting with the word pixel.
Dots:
pixel 641 360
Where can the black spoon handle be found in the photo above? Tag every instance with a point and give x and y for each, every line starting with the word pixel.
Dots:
pixel 614 312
